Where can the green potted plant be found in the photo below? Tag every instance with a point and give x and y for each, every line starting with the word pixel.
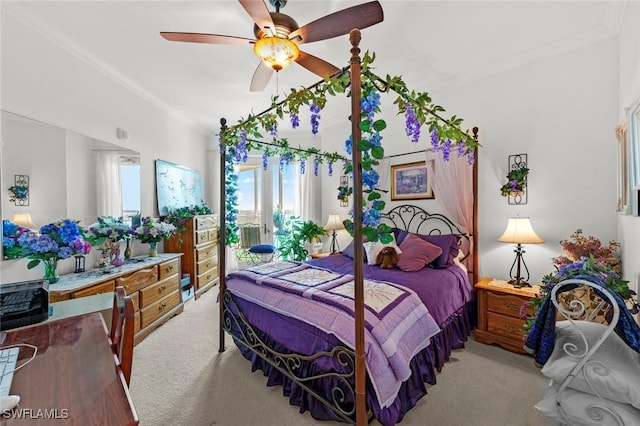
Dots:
pixel 297 233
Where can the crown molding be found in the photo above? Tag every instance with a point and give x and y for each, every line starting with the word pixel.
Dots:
pixel 100 66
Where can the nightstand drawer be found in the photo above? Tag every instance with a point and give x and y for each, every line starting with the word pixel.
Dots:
pixel 507 304
pixel 505 325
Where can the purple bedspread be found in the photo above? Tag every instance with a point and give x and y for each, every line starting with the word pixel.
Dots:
pixel 397 324
pixel 443 291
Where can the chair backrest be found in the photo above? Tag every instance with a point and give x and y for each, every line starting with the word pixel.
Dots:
pixel 249 235
pixel 122 330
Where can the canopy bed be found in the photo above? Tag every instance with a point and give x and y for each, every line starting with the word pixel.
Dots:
pixel 347 340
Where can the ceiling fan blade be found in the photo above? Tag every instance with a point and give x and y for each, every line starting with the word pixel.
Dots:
pixel 259 12
pixel 261 77
pixel 316 65
pixel 206 38
pixel 339 23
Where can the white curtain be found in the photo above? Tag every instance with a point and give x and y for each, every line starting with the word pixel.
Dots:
pixel 306 198
pixel 452 183
pixel 266 203
pixel 108 189
pixel 384 172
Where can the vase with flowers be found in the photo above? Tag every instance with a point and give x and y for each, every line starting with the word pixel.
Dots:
pixel 108 232
pixel 55 241
pixel 152 232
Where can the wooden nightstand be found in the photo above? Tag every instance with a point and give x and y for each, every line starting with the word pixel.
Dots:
pixel 499 305
pixel 318 255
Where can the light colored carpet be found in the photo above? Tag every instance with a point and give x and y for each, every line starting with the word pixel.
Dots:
pixel 179 378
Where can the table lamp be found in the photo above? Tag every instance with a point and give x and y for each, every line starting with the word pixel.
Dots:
pixel 519 231
pixel 24 220
pixel 334 223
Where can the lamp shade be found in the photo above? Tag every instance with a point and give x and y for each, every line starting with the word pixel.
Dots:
pixel 24 220
pixel 277 52
pixel 519 231
pixel 334 222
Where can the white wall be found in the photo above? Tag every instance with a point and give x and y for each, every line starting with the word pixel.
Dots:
pixel 562 112
pixel 45 81
pixel 629 89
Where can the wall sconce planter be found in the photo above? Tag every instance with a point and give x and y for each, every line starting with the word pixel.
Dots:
pixel 344 190
pixel 516 187
pixel 20 190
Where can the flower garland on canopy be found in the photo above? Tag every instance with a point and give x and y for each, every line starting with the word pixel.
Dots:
pixel 446 136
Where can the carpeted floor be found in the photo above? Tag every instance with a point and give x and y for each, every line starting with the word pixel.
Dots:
pixel 179 378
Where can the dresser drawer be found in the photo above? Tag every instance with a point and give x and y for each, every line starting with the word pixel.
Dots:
pixel 169 268
pixel 205 222
pixel 149 295
pixel 207 264
pixel 159 308
pixel 136 322
pixel 136 300
pixel 505 325
pixel 213 234
pixel 206 252
pixel 206 277
pixel 202 237
pixel 507 304
pixel 138 279
pixel 105 287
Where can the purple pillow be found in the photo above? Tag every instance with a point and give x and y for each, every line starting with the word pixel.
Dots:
pixel 449 243
pixel 348 250
pixel 416 253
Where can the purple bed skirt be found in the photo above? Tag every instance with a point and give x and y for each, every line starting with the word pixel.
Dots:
pixel 288 335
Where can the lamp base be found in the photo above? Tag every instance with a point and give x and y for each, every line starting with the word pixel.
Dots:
pixel 519 283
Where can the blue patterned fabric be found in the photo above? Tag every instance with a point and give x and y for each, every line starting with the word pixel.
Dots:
pixel 541 338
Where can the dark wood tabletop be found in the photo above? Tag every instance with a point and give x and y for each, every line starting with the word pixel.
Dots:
pixel 73 380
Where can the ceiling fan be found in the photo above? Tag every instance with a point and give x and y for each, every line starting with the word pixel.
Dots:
pixel 278 36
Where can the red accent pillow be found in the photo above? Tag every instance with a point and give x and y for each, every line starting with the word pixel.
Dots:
pixel 417 253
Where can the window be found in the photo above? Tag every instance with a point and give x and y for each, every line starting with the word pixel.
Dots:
pixel 130 188
pixel 633 153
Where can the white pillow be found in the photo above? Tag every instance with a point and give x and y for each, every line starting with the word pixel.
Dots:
pixel 621 383
pixel 373 248
pixel 576 405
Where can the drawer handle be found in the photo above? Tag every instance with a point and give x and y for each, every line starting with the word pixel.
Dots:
pixel 513 306
pixel 162 289
pixel 162 306
pixel 169 268
pixel 513 329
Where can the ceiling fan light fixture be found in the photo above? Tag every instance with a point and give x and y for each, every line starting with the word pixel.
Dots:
pixel 277 52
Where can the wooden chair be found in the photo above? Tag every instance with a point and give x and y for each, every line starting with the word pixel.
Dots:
pixel 122 330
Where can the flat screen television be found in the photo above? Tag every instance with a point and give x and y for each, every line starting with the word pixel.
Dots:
pixel 177 186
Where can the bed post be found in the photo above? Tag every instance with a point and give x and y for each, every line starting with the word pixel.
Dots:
pixel 474 241
pixel 358 269
pixel 222 232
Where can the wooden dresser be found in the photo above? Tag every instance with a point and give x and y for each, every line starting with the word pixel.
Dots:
pixel 199 246
pixel 153 284
pixel 499 305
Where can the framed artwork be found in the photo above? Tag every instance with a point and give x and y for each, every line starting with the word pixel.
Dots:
pixel 410 182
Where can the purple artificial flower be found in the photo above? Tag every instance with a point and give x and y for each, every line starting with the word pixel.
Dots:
pixel 316 166
pixel 330 168
pixel 303 165
pixel 462 148
pixel 412 125
pixel 315 118
pixel 348 145
pixel 446 150
pixel 435 140
pixel 295 119
pixel 265 161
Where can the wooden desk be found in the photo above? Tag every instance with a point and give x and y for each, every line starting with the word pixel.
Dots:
pixel 73 376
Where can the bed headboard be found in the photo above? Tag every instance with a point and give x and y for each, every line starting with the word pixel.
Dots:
pixel 415 219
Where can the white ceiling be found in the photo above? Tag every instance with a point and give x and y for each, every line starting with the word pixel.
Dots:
pixel 431 44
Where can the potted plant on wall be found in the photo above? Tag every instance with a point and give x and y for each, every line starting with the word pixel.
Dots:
pixel 516 182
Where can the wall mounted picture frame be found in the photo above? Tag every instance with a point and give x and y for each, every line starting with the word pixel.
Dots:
pixel 410 181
